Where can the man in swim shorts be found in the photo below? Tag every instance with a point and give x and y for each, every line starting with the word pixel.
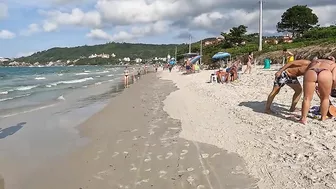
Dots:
pixel 287 75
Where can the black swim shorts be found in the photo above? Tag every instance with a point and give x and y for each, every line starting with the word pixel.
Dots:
pixel 285 79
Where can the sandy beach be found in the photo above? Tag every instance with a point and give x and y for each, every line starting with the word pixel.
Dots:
pixel 170 130
pixel 278 151
pixel 135 144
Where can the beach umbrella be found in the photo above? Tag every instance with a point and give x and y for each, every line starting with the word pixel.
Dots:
pixel 221 55
pixel 195 59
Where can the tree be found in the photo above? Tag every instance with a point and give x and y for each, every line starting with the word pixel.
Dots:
pixel 236 35
pixel 297 20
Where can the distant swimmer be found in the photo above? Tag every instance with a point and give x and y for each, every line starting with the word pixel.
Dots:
pixel 321 73
pixel 287 75
pixel 126 77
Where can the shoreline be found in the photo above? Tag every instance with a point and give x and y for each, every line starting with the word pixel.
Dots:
pixel 141 152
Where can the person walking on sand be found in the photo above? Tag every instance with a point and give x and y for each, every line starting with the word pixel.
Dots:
pixel 249 63
pixel 126 77
pixel 323 73
pixel 287 75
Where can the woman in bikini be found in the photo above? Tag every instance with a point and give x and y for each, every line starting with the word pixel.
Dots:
pixel 249 63
pixel 320 72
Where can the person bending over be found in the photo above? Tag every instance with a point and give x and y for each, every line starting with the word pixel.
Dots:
pixel 320 72
pixel 287 75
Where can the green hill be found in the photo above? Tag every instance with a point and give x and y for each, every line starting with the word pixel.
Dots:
pixel 121 50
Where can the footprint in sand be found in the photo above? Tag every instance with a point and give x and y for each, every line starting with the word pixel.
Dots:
pixel 133 168
pixel 204 156
pixel 169 154
pixel 182 157
pixel 134 130
pixel 200 187
pixel 98 156
pixel 215 154
pixel 115 154
pixel 162 174
pixel 191 180
pixel 153 145
pixel 146 144
pixel 148 159
pixel 184 152
pixel 142 181
pixel 148 170
pixel 135 138
pixel 122 186
pixel 159 157
pixel 187 144
pixel 190 169
pixel 118 141
pixel 205 172
pixel 151 132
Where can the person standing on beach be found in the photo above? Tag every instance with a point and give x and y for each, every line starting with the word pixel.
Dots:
pixel 126 77
pixel 287 75
pixel 249 63
pixel 288 55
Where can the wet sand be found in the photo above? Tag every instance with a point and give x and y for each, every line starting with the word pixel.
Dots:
pixel 135 144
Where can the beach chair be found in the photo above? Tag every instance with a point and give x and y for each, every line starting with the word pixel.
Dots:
pixel 213 78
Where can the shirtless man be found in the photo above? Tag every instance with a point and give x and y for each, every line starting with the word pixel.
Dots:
pixel 287 75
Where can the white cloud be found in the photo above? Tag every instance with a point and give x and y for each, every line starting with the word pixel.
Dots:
pixel 5 34
pixel 49 26
pixel 99 34
pixel 133 34
pixel 76 17
pixel 32 29
pixel 145 11
pixel 3 10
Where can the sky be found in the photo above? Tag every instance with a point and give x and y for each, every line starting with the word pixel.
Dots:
pixel 28 26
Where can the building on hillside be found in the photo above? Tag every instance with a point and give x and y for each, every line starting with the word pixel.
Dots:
pixel 287 39
pixel 212 40
pixel 272 41
pixel 3 59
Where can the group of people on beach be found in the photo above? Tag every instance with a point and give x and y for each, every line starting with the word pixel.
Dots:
pixel 135 74
pixel 319 75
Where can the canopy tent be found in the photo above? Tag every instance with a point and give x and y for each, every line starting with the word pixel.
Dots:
pixel 189 55
pixel 195 59
pixel 221 55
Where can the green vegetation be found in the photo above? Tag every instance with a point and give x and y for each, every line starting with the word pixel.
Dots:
pixel 298 20
pixel 121 50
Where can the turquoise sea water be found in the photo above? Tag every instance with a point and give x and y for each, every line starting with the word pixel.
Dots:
pixel 40 109
pixel 23 88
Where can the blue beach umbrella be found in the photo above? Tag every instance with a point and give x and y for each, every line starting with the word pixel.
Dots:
pixel 221 55
pixel 195 59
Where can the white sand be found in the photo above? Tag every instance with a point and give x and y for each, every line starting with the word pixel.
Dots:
pixel 280 152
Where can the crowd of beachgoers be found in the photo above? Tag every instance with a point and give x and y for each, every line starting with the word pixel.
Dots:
pixel 319 76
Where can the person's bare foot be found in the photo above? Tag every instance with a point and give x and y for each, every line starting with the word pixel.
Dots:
pixel 304 122
pixel 269 111
pixel 294 110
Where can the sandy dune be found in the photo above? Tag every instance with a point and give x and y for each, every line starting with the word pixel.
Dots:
pixel 279 151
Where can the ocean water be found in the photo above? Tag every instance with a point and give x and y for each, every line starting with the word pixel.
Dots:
pixel 40 109
pixel 26 88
